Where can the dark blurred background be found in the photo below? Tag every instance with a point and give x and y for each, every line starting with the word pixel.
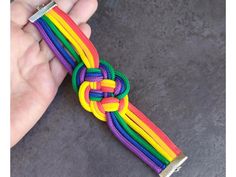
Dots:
pixel 173 52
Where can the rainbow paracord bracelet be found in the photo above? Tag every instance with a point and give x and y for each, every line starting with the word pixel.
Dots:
pixel 104 91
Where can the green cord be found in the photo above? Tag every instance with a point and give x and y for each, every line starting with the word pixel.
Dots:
pixel 111 73
pixel 74 77
pixel 62 39
pixel 126 83
pixel 140 140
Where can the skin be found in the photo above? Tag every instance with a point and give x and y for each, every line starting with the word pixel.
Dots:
pixel 35 73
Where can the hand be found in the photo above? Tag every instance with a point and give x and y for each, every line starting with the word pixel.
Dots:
pixel 35 73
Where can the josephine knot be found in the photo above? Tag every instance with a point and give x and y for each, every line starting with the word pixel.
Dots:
pixel 102 89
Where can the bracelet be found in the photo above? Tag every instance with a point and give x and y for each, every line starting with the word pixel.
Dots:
pixel 103 91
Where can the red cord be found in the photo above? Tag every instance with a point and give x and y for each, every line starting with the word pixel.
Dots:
pixel 157 130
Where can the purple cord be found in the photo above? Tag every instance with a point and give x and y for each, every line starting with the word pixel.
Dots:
pixel 130 146
pixel 118 87
pixel 53 48
pixel 82 74
pixel 104 72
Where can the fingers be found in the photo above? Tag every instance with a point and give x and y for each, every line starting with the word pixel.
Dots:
pixel 66 5
pixel 21 10
pixel 57 69
pixel 86 29
pixel 83 10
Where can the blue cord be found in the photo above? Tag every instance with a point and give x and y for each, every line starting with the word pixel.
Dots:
pixel 55 41
pixel 137 145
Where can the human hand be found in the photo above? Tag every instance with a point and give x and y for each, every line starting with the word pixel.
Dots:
pixel 35 73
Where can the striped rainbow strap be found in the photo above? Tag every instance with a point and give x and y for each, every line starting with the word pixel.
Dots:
pixel 104 91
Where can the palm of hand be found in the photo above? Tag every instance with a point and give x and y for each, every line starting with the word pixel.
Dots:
pixel 35 73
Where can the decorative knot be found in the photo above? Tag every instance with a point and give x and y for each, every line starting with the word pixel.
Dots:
pixel 101 90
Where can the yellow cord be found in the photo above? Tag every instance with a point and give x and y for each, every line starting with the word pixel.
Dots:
pixel 147 137
pixel 92 105
pixel 90 59
pixel 151 133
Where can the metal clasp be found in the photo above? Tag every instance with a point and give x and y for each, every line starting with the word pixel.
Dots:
pixel 42 9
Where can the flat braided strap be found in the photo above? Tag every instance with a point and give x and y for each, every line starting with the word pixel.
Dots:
pixel 104 91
